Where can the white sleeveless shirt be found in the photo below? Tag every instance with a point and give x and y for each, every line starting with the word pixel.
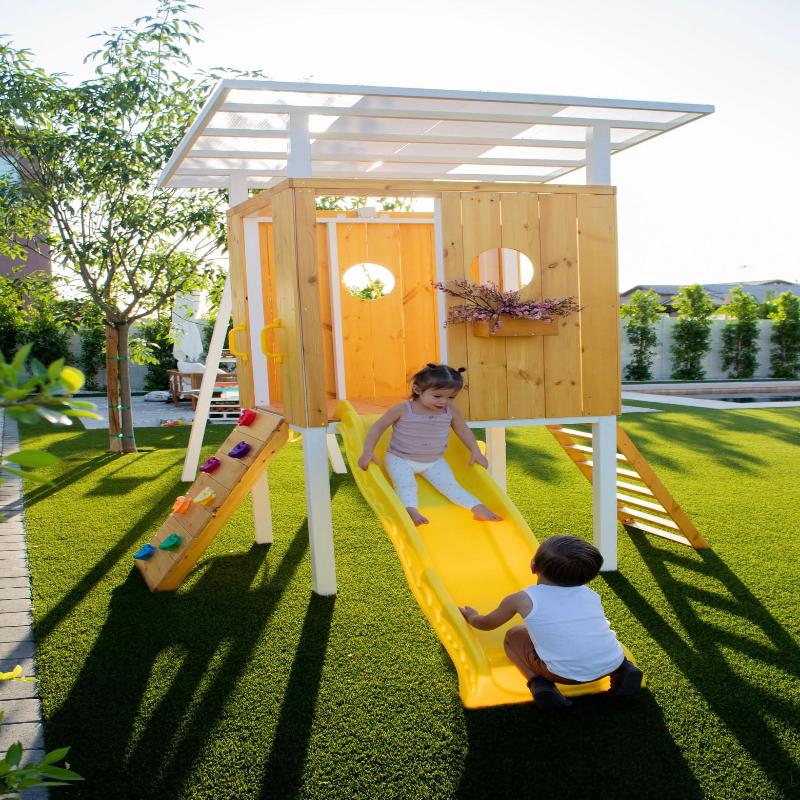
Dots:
pixel 571 633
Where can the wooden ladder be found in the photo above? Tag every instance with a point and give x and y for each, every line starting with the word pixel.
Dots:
pixel 643 502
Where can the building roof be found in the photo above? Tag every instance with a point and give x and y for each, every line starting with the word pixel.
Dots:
pixel 720 292
pixel 256 128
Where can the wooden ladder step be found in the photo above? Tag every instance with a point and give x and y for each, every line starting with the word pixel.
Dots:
pixel 674 537
pixel 632 487
pixel 628 473
pixel 637 501
pixel 643 515
pixel 574 432
pixel 582 448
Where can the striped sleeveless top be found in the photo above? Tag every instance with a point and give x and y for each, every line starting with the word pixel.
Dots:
pixel 421 437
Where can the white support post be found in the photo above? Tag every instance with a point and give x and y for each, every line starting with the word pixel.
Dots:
pixel 496 454
pixel 207 385
pixel 604 489
pixel 255 322
pixel 335 454
pixel 298 164
pixel 438 250
pixel 318 506
pixel 598 155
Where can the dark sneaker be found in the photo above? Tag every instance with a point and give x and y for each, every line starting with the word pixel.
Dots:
pixel 547 696
pixel 627 680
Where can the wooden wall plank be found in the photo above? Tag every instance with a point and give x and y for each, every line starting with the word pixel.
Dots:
pixel 242 339
pixel 419 297
pixel 559 259
pixel 386 313
pixel 599 296
pixel 313 356
pixel 454 269
pixel 326 313
pixel 480 214
pixel 352 244
pixel 524 355
pixel 266 243
pixel 288 307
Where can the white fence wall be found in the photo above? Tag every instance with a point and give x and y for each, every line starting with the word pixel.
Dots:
pixel 662 360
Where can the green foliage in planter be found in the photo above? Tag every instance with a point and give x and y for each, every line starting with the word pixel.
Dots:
pixel 14 777
pixel 785 354
pixel 12 318
pixel 641 315
pixel 740 335
pixel 691 334
pixel 151 344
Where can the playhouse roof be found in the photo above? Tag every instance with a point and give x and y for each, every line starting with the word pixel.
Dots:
pixel 256 127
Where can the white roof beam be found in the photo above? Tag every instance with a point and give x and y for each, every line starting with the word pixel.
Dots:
pixel 436 114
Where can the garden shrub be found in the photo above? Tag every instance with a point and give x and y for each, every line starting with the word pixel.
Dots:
pixel 151 344
pixel 785 354
pixel 740 335
pixel 692 332
pixel 641 314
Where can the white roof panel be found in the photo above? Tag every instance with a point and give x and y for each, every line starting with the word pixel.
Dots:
pixel 249 127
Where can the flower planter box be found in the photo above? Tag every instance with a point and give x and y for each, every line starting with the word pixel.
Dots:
pixel 516 326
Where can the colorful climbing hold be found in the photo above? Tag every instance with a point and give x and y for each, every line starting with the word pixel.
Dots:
pixel 247 417
pixel 205 496
pixel 240 450
pixel 210 464
pixel 171 542
pixel 144 552
pixel 181 505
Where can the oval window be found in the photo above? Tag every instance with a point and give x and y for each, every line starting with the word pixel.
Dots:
pixel 506 268
pixel 368 281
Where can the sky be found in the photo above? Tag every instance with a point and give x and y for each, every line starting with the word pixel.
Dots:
pixel 714 201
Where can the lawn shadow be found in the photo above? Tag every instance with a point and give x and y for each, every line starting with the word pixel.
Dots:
pixel 534 461
pixel 284 768
pixel 151 738
pixel 601 748
pixel 703 653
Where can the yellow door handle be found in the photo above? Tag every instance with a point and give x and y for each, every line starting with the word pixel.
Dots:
pixel 279 357
pixel 232 342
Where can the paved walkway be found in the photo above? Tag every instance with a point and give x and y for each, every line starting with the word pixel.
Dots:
pixel 19 700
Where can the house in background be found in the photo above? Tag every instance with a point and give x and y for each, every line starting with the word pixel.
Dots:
pixel 38 256
pixel 720 292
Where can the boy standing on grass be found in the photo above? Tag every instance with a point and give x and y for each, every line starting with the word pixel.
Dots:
pixel 566 637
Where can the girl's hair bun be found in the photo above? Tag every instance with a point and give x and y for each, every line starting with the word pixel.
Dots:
pixel 461 369
pixel 431 366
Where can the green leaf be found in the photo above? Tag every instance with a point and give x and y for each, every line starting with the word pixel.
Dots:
pixel 54 417
pixel 55 755
pixel 31 476
pixel 14 754
pixel 32 458
pixel 55 368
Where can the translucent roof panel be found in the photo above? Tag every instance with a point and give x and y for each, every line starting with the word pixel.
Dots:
pixel 269 130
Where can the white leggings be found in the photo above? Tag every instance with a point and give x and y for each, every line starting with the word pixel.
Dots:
pixel 437 473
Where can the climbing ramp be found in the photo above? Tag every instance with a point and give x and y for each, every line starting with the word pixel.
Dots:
pixel 222 483
pixel 643 502
pixel 455 561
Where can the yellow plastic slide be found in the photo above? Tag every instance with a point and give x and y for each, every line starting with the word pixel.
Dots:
pixel 456 561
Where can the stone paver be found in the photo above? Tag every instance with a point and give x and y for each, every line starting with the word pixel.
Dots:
pixel 19 702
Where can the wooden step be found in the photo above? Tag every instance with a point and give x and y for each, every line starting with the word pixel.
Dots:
pixel 637 501
pixel 632 487
pixel 574 432
pixel 643 515
pixel 581 448
pixel 674 537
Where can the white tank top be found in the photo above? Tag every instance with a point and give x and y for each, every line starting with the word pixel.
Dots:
pixel 571 633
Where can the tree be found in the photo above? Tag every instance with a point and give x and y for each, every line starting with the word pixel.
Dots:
pixel 740 335
pixel 691 333
pixel 86 157
pixel 641 313
pixel 785 355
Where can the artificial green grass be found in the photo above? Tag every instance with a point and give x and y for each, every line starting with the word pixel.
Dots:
pixel 244 685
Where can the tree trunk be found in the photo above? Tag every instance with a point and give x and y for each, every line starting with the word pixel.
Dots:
pixel 120 418
pixel 128 438
pixel 112 389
